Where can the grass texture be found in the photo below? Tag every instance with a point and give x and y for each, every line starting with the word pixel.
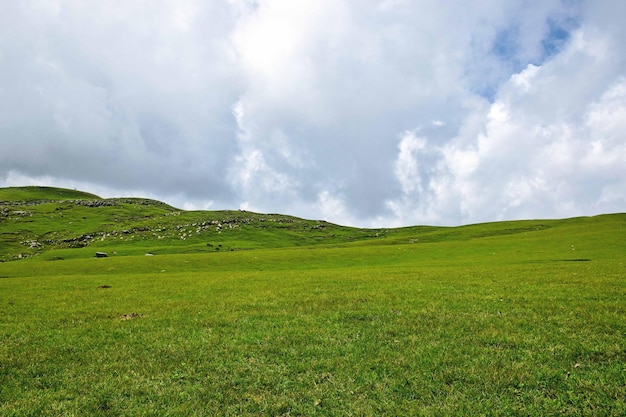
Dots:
pixel 511 318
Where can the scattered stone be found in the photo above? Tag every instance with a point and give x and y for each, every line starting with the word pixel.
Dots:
pixel 101 255
pixel 33 244
pixel 130 316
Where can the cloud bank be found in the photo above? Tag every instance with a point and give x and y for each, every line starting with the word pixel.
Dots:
pixel 369 113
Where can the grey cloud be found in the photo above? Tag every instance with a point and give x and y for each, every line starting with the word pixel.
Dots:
pixel 369 113
pixel 125 97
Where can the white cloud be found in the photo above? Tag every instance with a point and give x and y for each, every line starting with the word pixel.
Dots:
pixel 371 113
pixel 530 161
pixel 333 207
pixel 407 168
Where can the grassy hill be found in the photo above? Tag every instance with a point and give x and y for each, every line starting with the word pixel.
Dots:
pixel 54 223
pixel 252 314
pixel 41 194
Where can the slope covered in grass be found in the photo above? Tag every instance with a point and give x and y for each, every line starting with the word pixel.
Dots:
pixel 34 222
pixel 514 318
pixel 34 193
pixel 53 223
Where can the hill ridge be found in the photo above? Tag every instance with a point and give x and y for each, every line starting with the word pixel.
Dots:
pixel 60 223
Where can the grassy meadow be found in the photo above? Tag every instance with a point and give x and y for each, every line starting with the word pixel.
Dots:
pixel 245 314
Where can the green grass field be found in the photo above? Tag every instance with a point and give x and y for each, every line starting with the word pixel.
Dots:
pixel 273 315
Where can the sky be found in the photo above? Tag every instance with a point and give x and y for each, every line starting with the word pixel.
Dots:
pixel 371 113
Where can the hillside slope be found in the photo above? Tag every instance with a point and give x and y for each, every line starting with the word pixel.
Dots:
pixel 34 194
pixel 54 223
pixel 40 220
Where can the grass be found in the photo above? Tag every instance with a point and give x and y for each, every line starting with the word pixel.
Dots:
pixel 516 318
pixel 34 224
pixel 34 193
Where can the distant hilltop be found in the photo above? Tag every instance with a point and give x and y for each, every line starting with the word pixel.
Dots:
pixel 57 223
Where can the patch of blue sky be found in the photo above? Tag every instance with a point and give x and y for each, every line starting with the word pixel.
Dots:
pixel 559 33
pixel 506 48
pixel 486 90
pixel 506 44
